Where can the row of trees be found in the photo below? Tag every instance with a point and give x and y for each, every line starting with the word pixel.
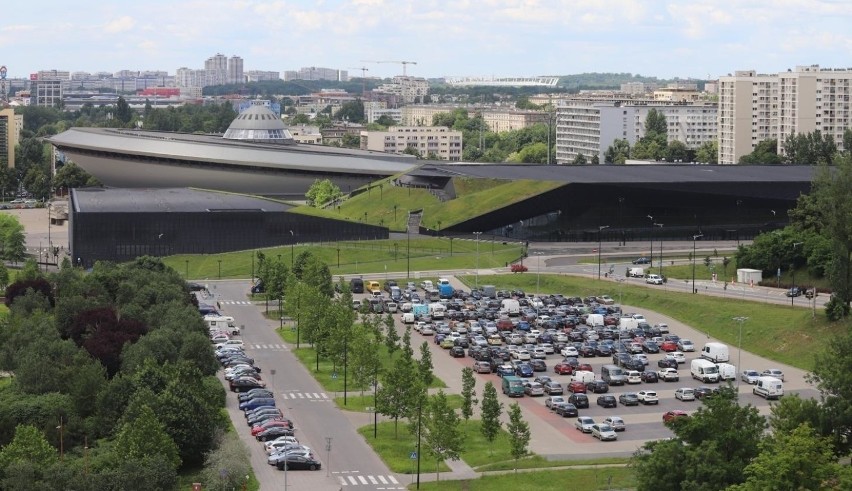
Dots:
pixel 114 382
pixel 654 145
pixel 811 148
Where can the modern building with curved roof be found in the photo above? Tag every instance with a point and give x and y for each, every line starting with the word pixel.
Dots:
pixel 257 157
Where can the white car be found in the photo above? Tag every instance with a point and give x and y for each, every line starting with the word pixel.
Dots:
pixel 749 376
pixel 276 445
pixel 773 372
pixel 654 279
pixel 634 377
pixel 605 300
pixel 604 432
pixel 668 375
pixel 664 328
pixel 539 354
pixel 685 394
pixel 685 345
pixel 584 424
pixel 534 389
pixel 426 330
pixel 616 422
pixel 522 355
pixel 647 397
pixel 548 348
pixel 569 351
pixel 480 341
pixel 676 356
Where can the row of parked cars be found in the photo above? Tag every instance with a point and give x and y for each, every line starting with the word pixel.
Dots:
pixel 266 421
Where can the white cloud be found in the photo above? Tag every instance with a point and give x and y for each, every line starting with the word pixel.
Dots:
pixel 121 24
pixel 18 28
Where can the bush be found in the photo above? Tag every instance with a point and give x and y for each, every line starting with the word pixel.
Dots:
pixel 836 309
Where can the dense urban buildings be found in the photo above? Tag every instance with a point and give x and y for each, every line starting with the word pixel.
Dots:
pixel 755 107
pixel 317 73
pixel 430 142
pixel 11 125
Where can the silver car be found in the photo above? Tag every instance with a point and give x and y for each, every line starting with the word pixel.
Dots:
pixel 584 424
pixel 282 454
pixel 604 432
pixel 749 376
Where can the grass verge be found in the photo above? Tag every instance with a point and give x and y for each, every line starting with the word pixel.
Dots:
pixel 539 462
pixel 554 480
pixel 360 403
pixel 778 332
pixel 394 448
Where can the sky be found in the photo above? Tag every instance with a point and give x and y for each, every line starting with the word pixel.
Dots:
pixel 686 39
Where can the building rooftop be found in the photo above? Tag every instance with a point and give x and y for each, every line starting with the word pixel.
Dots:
pixel 167 200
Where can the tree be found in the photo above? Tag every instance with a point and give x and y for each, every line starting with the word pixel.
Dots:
pixel 677 152
pixel 227 465
pixel 490 414
pixel 424 365
pixel 400 388
pixel 443 437
pixel 596 160
pixel 70 176
pixel 809 148
pixel 519 433
pixel 655 123
pixel 833 193
pixel 618 152
pixel 708 152
pixel 144 436
pixel 123 113
pixel 580 159
pixel 322 192
pixel 764 153
pixel 468 394
pixel 28 445
pixel 795 461
pixel 391 336
pixel 386 121
pixel 352 111
pixel 830 374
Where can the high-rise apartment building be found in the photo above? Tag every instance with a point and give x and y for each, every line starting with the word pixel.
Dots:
pixel 190 77
pixel 46 92
pixel 217 69
pixel 590 126
pixel 753 107
pixel 10 132
pixel 262 76
pixel 235 70
pixel 439 141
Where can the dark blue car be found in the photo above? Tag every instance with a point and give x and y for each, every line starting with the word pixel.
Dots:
pixel 524 370
pixel 504 370
pixel 257 402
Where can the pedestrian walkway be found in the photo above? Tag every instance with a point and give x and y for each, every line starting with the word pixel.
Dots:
pixel 376 482
pixel 278 347
pixel 235 302
pixel 314 396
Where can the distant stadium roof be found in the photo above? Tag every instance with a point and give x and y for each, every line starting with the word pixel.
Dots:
pixel 503 81
pixel 168 200
pixel 258 123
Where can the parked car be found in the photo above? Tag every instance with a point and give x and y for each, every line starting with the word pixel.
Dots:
pixel 677 356
pixel 538 365
pixel 628 399
pixel 664 363
pixel 647 397
pixel 552 400
pixel 607 401
pixel 674 414
pixel 584 424
pixel 552 387
pixel 274 432
pixel 642 260
pixel 749 376
pixel 533 389
pixel 457 352
pixel 579 400
pixel 597 387
pixel 685 345
pixel 634 377
pixel 577 387
pixel 685 394
pixel 616 422
pixel 650 377
pixel 668 346
pixel 299 462
pixel 668 374
pixel 566 410
pixel 604 432
pixel 773 372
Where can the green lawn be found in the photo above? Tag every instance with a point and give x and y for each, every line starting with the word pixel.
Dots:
pixel 329 376
pixel 360 403
pixel 395 448
pixel 364 257
pixel 553 480
pixel 778 332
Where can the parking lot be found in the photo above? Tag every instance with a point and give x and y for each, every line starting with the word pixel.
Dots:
pixel 551 431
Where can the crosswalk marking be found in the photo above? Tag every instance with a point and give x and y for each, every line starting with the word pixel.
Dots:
pixel 372 480
pixel 353 480
pixel 359 480
pixel 362 479
pixel 312 396
pixel 282 347
pixel 382 478
pixel 234 302
pixel 393 480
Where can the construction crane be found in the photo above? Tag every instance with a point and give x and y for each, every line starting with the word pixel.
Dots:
pixel 403 63
pixel 364 71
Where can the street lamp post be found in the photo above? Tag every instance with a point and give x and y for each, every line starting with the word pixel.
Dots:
pixel 293 249
pixel 651 237
pixel 740 320
pixel 620 221
pixel 477 234
pixel 538 274
pixel 220 268
pixel 345 363
pixel 600 229
pixel 793 271
pixel 187 269
pixel 661 251
pixel 694 238
pixel 408 247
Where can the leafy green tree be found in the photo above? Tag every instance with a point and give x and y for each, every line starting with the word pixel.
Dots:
pixel 468 393
pixel 351 111
pixel 519 433
pixel 618 152
pixel 123 113
pixel 424 365
pixel 300 119
pixel 830 375
pixel 28 445
pixel 795 461
pixel 228 465
pixel 145 436
pixel 655 123
pixel 322 192
pixel 386 121
pixel 490 413
pixel 708 152
pixel 809 148
pixel 596 160
pixel 443 437
pixel 764 153
pixel 534 153
pixel 398 392
pixel 580 159
pixel 391 336
pixel 677 152
pixel 70 176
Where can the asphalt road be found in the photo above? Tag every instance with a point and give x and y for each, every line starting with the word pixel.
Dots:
pixel 352 463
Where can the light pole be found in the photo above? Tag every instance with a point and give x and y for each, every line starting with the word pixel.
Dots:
pixel 661 251
pixel 651 236
pixel 220 268
pixel 408 247
pixel 620 221
pixel 741 320
pixel 739 202
pixel 793 271
pixel 600 229
pixel 187 270
pixel 345 363
pixel 477 234
pixel 538 274
pixel 293 249
pixel 694 238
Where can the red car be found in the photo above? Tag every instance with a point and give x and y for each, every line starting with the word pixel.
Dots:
pixel 673 415
pixel 519 268
pixel 584 367
pixel 577 387
pixel 269 424
pixel 563 369
pixel 668 346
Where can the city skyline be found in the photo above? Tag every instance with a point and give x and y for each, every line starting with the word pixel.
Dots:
pixel 698 39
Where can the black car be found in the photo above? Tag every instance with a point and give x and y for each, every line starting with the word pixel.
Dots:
pixel 620 358
pixel 628 399
pixel 704 391
pixel 579 400
pixel 634 364
pixel 274 432
pixel 457 352
pixel 667 363
pixel 245 384
pixel 597 387
pixel 255 393
pixel 650 347
pixel 795 291
pixel 566 410
pixel 650 377
pixel 299 462
pixel 538 365
pixel 603 350
pixel 607 401
pixel 642 260
pixel 586 351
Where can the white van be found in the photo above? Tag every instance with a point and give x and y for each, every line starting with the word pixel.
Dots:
pixel 408 318
pixel 583 376
pixel 595 320
pixel 654 279
pixel 222 323
pixel 715 352
pixel 704 371
pixel 727 371
pixel 510 307
pixel 427 285
pixel 636 272
pixel 437 310
pixel 768 388
pixel 392 307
